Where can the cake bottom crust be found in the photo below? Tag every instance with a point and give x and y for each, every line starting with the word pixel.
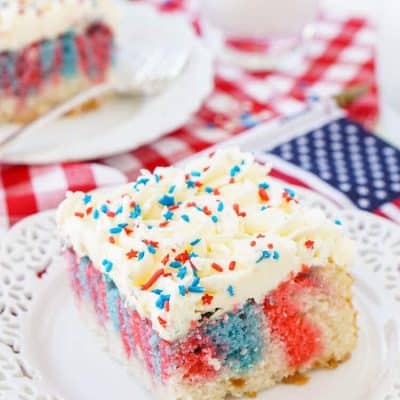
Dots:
pixel 13 110
pixel 331 310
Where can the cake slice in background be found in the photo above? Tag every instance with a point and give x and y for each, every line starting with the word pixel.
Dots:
pixel 51 50
pixel 211 280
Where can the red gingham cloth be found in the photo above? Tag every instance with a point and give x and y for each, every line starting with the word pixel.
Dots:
pixel 340 55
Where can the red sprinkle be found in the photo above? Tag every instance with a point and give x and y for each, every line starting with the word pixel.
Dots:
pixel 237 211
pixel 217 267
pixel 171 208
pixel 153 279
pixel 110 214
pixel 151 243
pixel 166 306
pixel 131 254
pixel 211 155
pixel 270 246
pixel 206 210
pixel 207 299
pixel 216 192
pixel 128 231
pixel 111 239
pixel 182 257
pixel 252 243
pixel 191 204
pixel 309 244
pixel 263 194
pixel 89 210
pixel 163 224
pixel 162 322
pixel 260 235
pixel 79 214
pixel 206 168
pixel 232 265
pixel 232 180
pixel 305 268
pixel 165 259
pixel 198 184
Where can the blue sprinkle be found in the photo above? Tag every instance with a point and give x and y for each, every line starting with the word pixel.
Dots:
pixel 196 289
pixel 338 222
pixel 167 200
pixel 87 198
pixel 275 255
pixel 263 208
pixel 175 264
pixel 157 291
pixel 107 264
pixel 196 281
pixel 208 189
pixel 195 273
pixel 195 173
pixel 141 181
pixel 119 210
pixel 230 290
pixel 190 184
pixel 172 189
pixel 104 208
pixel 96 214
pixel 182 290
pixel 242 162
pixel 123 225
pixel 220 206
pixel 140 255
pixel 136 212
pixel 168 215
pixel 149 227
pixel 157 177
pixel 151 249
pixel 194 242
pixel 162 299
pixel 264 255
pixel 263 185
pixel 290 192
pixel 115 230
pixel 198 208
pixel 214 219
pixel 235 170
pixel 185 217
pixel 193 255
pixel 182 272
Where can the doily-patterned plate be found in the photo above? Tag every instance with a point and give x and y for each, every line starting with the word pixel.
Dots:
pixel 47 354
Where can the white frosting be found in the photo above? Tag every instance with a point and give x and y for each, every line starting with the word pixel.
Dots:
pixel 297 236
pixel 26 21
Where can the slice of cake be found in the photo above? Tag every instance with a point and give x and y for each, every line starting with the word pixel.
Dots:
pixel 49 51
pixel 211 280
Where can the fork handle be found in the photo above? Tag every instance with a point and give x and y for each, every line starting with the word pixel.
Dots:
pixel 58 111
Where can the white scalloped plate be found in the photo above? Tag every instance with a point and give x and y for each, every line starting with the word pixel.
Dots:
pixel 122 124
pixel 47 353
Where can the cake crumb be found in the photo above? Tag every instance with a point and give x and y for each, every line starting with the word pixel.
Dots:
pixel 251 395
pixel 296 379
pixel 237 382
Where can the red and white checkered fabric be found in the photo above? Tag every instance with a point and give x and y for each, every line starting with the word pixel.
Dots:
pixel 340 55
